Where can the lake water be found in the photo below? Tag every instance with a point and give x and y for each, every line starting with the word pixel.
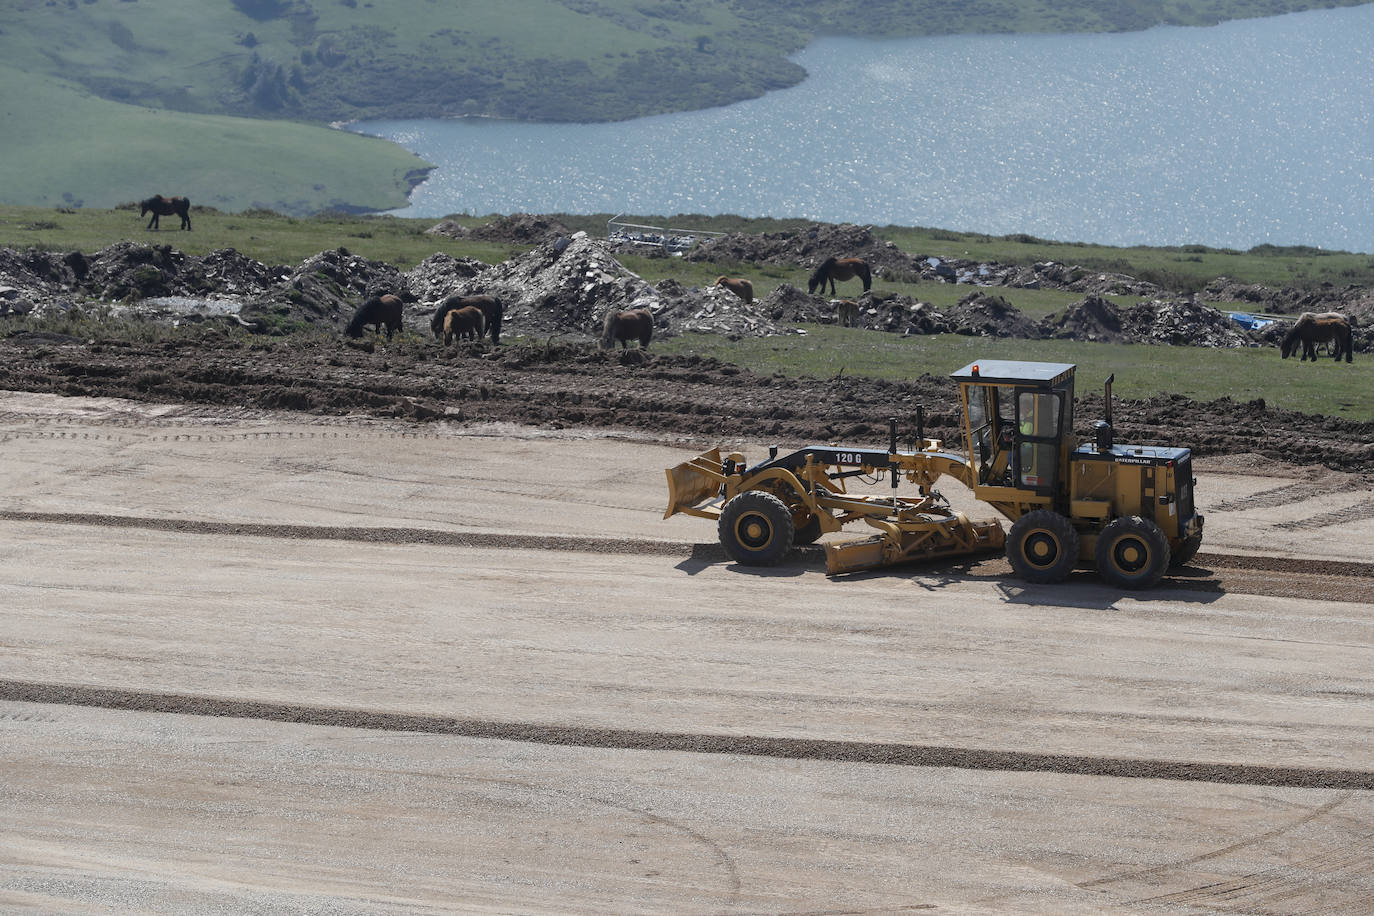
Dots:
pixel 1232 136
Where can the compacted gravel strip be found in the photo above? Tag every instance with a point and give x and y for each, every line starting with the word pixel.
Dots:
pixel 914 755
pixel 1280 577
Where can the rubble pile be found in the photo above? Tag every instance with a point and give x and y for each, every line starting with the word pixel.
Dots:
pixel 566 284
pixel 805 248
pixel 988 315
pixel 439 275
pixel 520 229
pixel 563 286
pixel 1094 319
pixel 328 286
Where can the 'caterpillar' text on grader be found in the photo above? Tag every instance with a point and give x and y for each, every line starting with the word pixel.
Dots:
pixel 1127 509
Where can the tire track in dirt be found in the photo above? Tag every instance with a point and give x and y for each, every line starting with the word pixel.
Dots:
pixel 835 751
pixel 1279 577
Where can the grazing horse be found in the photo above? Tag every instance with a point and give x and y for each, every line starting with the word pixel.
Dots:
pixel 166 206
pixel 490 306
pixel 627 326
pixel 377 311
pixel 739 286
pixel 833 269
pixel 464 323
pixel 1313 328
pixel 847 310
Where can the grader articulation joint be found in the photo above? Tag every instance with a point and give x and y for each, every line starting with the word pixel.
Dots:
pixel 1126 509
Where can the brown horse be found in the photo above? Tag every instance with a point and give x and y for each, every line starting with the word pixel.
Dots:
pixel 377 311
pixel 464 323
pixel 166 206
pixel 1313 328
pixel 626 326
pixel 739 286
pixel 490 306
pixel 833 269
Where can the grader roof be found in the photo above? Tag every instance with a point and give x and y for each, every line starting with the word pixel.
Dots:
pixel 1015 371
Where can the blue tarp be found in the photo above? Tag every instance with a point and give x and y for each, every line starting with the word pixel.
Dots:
pixel 1250 322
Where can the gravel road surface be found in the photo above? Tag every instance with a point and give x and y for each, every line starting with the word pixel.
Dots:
pixel 270 662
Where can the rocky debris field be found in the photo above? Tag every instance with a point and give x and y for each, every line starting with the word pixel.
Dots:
pixel 565 284
pixel 556 295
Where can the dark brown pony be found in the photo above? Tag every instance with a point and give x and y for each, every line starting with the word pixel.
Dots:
pixel 739 286
pixel 464 323
pixel 626 326
pixel 490 306
pixel 833 269
pixel 166 206
pixel 377 311
pixel 1313 328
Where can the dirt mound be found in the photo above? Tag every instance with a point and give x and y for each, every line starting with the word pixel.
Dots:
pixel 438 275
pixel 449 229
pixel 806 248
pixel 1183 323
pixel 328 287
pixel 1093 319
pixel 988 315
pixel 521 229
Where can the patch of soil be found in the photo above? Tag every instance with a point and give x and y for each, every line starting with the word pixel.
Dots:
pixel 689 399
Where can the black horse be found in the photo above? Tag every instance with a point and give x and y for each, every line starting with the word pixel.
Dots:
pixel 166 206
pixel 833 269
pixel 377 311
pixel 491 308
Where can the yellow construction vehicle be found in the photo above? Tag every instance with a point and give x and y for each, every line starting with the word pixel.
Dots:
pixel 1126 509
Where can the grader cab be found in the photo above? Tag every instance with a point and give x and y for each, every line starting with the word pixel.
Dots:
pixel 1126 509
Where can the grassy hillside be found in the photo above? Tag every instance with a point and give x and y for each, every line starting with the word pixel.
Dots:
pixel 572 60
pixel 101 153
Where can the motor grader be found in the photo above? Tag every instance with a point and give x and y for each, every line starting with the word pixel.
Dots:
pixel 1125 509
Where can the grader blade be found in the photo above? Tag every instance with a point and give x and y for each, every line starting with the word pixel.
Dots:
pixel 908 542
pixel 693 482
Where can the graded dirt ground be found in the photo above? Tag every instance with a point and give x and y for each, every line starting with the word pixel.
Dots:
pixel 267 661
pixel 576 386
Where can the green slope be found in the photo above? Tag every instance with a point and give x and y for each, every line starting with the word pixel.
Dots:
pixel 64 147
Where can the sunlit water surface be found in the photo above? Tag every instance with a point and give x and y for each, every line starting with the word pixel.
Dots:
pixel 1244 133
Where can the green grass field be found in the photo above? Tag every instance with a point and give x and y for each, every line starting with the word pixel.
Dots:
pixel 1142 371
pixel 100 153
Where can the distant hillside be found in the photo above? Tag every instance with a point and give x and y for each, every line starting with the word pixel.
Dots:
pixel 568 60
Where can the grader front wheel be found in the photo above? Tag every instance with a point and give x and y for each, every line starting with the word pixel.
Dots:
pixel 756 529
pixel 1042 546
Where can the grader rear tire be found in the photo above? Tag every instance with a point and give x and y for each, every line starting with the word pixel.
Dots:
pixel 1042 546
pixel 1132 552
pixel 756 529
pixel 1186 551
